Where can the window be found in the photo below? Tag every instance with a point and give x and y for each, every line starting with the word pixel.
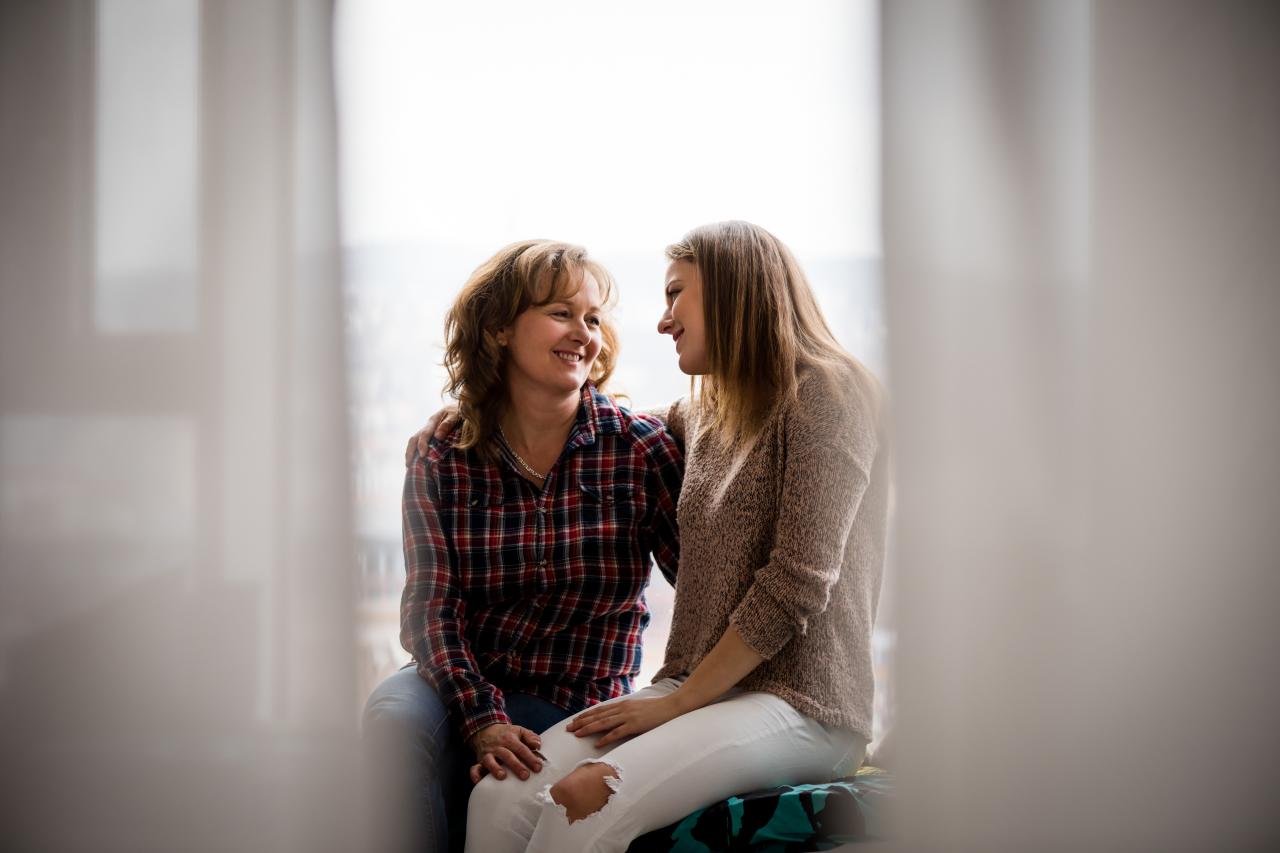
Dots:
pixel 467 127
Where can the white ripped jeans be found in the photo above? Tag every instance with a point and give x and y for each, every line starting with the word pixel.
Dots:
pixel 741 742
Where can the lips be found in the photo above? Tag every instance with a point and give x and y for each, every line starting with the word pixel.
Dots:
pixel 570 357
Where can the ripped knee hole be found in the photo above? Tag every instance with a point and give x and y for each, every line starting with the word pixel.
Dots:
pixel 580 794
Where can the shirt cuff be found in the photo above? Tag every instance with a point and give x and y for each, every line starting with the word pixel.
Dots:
pixel 473 720
pixel 763 623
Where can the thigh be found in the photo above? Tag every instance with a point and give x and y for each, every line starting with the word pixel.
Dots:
pixel 743 742
pixel 565 750
pixel 505 811
pixel 533 712
pixel 405 720
pixel 405 700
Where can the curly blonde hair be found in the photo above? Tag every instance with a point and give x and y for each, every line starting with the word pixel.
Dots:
pixel 523 275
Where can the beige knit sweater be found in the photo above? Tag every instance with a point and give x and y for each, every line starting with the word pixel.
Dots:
pixel 787 544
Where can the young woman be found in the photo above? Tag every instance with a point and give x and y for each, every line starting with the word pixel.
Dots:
pixel 767 678
pixel 528 532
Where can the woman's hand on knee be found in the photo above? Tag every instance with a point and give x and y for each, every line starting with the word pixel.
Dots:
pixel 503 748
pixel 624 719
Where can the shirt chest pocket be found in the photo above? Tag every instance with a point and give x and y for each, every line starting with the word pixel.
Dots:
pixel 609 514
pixel 607 503
pixel 606 566
pixel 486 532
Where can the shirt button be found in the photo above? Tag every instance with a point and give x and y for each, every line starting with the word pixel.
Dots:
pixel 475 501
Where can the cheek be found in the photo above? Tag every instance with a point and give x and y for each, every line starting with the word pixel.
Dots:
pixel 691 323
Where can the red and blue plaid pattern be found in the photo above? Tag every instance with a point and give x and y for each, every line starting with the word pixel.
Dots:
pixel 509 587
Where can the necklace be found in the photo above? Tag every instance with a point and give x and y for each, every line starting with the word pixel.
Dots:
pixel 518 457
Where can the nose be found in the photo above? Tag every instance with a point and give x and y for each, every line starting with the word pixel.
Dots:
pixel 664 323
pixel 579 332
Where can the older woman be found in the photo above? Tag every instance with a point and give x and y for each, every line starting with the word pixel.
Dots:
pixel 528 532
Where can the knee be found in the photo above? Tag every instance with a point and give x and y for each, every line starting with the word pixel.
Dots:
pixel 586 790
pixel 492 796
pixel 389 713
pixel 404 719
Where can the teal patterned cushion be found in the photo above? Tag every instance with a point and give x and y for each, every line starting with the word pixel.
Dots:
pixel 784 819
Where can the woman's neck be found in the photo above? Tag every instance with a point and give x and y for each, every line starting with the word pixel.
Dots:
pixel 537 422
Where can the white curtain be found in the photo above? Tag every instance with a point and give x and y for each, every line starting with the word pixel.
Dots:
pixel 176 664
pixel 1082 239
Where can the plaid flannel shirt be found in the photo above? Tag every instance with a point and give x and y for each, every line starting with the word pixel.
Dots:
pixel 509 587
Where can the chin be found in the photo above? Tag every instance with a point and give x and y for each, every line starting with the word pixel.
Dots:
pixel 573 384
pixel 690 369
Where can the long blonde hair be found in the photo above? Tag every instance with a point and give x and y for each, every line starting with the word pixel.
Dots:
pixel 763 325
pixel 523 275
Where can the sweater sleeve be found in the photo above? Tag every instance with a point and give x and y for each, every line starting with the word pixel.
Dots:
pixel 432 614
pixel 830 444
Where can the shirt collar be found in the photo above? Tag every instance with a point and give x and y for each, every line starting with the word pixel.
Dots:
pixel 598 415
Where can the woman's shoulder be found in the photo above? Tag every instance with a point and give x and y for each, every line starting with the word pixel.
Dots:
pixel 445 458
pixel 839 387
pixel 657 425
pixel 679 417
pixel 443 449
pixel 844 400
pixel 647 431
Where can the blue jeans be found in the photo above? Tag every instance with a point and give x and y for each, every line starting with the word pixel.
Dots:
pixel 415 763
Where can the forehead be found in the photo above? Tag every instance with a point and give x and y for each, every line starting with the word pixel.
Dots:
pixel 574 285
pixel 683 269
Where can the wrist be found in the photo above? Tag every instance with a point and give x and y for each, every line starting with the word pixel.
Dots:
pixel 483 719
pixel 682 700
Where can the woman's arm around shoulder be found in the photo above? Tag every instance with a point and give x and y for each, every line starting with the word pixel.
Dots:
pixel 674 416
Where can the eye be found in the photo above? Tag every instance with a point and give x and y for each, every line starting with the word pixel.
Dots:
pixel 560 313
pixel 595 321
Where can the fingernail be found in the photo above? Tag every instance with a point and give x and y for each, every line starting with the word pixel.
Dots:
pixel 537 768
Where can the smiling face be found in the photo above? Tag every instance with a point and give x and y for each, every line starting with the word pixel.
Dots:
pixel 552 347
pixel 683 319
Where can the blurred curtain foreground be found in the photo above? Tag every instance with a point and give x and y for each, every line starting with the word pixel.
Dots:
pixel 175 641
pixel 1082 245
